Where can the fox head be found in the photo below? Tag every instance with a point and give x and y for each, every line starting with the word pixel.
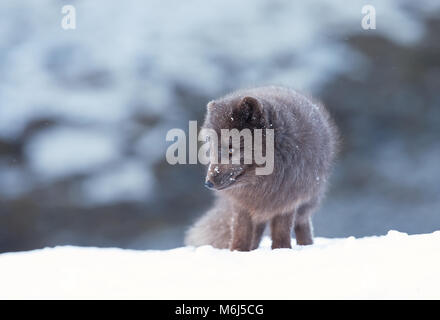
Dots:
pixel 236 165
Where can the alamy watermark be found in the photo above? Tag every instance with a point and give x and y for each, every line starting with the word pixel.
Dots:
pixel 231 146
pixel 369 20
pixel 69 19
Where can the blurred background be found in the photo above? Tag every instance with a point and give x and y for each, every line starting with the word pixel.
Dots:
pixel 84 112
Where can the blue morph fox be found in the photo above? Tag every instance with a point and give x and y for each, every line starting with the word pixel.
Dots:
pixel 305 145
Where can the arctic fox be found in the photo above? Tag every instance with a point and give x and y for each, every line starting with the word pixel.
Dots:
pixel 305 144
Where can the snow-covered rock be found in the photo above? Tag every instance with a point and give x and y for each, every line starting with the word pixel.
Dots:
pixel 397 266
pixel 129 181
pixel 65 151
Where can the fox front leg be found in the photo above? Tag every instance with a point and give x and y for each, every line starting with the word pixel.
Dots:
pixel 281 228
pixel 258 232
pixel 242 231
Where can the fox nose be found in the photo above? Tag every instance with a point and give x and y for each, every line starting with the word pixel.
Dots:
pixel 209 184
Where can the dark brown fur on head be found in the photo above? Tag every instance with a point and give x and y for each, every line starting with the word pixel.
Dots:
pixel 305 143
pixel 239 113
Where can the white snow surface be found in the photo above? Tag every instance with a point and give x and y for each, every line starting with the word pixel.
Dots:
pixel 396 266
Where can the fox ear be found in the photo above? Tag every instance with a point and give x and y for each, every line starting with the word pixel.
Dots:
pixel 251 110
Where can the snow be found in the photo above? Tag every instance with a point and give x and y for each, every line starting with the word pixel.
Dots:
pixel 65 151
pixel 152 145
pixel 45 69
pixel 395 266
pixel 127 181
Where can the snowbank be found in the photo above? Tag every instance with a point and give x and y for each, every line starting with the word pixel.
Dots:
pixel 393 266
